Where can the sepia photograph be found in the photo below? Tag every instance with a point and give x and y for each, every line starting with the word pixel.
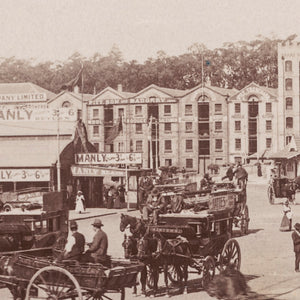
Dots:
pixel 150 149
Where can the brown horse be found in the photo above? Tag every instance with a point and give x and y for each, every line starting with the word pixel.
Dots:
pixel 137 226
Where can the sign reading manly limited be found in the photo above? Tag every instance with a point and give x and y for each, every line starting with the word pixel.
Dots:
pixel 16 175
pixel 108 158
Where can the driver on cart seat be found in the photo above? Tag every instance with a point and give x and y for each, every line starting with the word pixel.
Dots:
pixel 154 205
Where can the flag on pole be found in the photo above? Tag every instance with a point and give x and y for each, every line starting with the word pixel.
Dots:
pixel 114 131
pixel 75 81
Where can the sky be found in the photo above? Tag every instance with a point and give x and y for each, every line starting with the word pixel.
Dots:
pixel 55 29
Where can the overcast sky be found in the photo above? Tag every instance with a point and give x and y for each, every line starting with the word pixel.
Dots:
pixel 55 29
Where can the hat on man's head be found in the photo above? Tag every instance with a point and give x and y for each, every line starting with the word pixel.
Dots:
pixel 73 224
pixel 155 192
pixel 297 226
pixel 97 223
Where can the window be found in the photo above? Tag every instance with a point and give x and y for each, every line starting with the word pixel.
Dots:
pixel 237 125
pixel 189 163
pixel 268 125
pixel 168 146
pixel 218 108
pixel 168 162
pixel 268 143
pixel 289 122
pixel 218 125
pixel 288 140
pixel 66 104
pixel 138 128
pixel 268 107
pixel 238 145
pixel 188 126
pixel 95 113
pixel 237 108
pixel 219 144
pixel 288 66
pixel 96 145
pixel 121 147
pixel 189 145
pixel 289 103
pixel 288 84
pixel 139 146
pixel 121 112
pixel 188 110
pixel 138 110
pixel 167 109
pixel 95 130
pixel 168 127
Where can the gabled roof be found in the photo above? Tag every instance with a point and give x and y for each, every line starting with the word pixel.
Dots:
pixel 23 88
pixel 170 92
pixel 119 94
pixel 221 91
pixel 86 97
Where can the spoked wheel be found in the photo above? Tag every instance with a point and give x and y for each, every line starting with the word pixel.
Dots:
pixel 271 195
pixel 231 255
pixel 245 220
pixel 53 283
pixel 208 272
pixel 101 296
pixel 175 274
pixel 150 277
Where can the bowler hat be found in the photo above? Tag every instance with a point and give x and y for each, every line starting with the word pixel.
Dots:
pixel 97 223
pixel 73 224
pixel 155 192
pixel 297 226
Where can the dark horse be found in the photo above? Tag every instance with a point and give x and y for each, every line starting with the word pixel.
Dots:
pixel 173 255
pixel 137 226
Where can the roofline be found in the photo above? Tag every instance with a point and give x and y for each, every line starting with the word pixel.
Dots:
pixel 156 87
pixel 108 88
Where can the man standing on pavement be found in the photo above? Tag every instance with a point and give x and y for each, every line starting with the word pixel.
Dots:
pixel 98 248
pixel 296 241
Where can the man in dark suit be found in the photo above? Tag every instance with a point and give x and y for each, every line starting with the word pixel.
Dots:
pixel 296 241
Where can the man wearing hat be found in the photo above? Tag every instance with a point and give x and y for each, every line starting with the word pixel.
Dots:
pixel 75 245
pixel 98 248
pixel 296 241
pixel 153 205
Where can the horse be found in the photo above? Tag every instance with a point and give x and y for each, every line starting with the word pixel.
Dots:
pixel 137 226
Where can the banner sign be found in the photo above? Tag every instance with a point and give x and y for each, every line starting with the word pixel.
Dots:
pixel 221 202
pixel 134 101
pixel 24 175
pixel 81 171
pixel 28 114
pixel 108 158
pixel 23 97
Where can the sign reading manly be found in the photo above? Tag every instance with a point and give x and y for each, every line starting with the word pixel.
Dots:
pixel 23 175
pixel 108 158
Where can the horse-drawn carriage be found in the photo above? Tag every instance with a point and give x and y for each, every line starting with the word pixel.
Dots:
pixel 30 242
pixel 189 240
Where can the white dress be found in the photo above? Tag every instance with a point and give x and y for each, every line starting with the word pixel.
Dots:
pixel 79 204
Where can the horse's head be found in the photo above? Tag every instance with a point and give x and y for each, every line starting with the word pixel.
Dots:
pixel 130 246
pixel 124 222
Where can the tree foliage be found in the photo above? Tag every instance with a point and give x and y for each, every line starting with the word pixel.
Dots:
pixel 234 65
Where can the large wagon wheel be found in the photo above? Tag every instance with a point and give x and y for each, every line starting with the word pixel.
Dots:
pixel 208 271
pixel 101 296
pixel 271 195
pixel 53 283
pixel 245 220
pixel 231 255
pixel 150 277
pixel 175 274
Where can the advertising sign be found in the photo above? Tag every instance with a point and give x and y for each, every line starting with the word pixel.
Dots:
pixel 80 171
pixel 222 201
pixel 23 175
pixel 108 158
pixel 28 97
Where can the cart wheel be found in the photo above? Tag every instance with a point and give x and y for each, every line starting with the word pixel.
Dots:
pixel 271 195
pixel 209 268
pixel 231 255
pixel 53 283
pixel 175 274
pixel 101 296
pixel 150 277
pixel 245 221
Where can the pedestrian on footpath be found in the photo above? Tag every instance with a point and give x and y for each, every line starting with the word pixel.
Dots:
pixel 286 222
pixel 296 241
pixel 80 202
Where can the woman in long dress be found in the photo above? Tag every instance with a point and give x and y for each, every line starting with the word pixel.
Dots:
pixel 79 208
pixel 286 222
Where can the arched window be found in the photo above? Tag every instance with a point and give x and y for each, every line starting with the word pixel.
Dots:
pixel 289 122
pixel 66 104
pixel 289 103
pixel 288 66
pixel 288 84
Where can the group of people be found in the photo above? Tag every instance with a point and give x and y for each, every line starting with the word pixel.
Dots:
pixel 239 173
pixel 75 246
pixel 114 197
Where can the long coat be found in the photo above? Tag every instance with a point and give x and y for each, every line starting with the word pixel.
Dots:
pixel 98 248
pixel 296 240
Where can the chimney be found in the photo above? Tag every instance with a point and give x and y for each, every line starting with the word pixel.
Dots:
pixel 76 89
pixel 120 88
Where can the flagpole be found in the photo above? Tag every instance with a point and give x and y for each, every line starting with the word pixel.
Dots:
pixel 150 139
pixel 156 145
pixel 126 165
pixel 82 91
pixel 58 154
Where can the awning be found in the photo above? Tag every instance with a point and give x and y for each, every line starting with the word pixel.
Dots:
pixel 262 155
pixel 284 154
pixel 30 152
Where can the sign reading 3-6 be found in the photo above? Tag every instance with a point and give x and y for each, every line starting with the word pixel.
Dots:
pixel 16 175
